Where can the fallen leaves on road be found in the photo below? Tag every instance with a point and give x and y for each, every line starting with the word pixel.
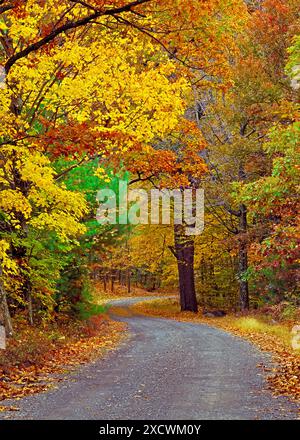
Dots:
pixel 9 408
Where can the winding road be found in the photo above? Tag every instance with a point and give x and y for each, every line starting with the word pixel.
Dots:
pixel 165 370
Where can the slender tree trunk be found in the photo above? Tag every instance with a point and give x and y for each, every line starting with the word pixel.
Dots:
pixel 158 280
pixel 153 283
pixel 27 292
pixel 184 253
pixel 112 282
pixel 104 282
pixel 19 251
pixel 243 260
pixel 128 281
pixel 30 308
pixel 4 308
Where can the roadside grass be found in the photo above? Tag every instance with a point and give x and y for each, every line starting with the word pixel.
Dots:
pixel 257 327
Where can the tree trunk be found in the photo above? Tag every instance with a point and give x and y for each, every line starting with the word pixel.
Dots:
pixel 104 282
pixel 4 309
pixel 243 260
pixel 112 281
pixel 30 308
pixel 184 253
pixel 20 253
pixel 128 281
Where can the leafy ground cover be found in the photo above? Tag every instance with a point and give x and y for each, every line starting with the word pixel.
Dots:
pixel 35 358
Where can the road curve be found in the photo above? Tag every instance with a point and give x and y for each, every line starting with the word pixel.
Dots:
pixel 165 370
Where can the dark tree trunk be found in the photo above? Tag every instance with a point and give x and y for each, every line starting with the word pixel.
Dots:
pixel 137 278
pixel 145 280
pixel 4 308
pixel 112 282
pixel 123 279
pixel 184 253
pixel 243 260
pixel 20 253
pixel 27 290
pixel 128 281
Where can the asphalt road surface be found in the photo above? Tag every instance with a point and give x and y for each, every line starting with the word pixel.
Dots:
pixel 164 370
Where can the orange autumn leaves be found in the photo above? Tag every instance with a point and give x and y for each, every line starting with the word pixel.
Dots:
pixel 35 360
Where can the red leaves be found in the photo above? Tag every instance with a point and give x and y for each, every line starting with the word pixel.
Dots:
pixel 77 139
pixel 172 168
pixel 19 10
pixel 69 140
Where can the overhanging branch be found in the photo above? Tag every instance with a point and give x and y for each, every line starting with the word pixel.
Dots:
pixel 68 26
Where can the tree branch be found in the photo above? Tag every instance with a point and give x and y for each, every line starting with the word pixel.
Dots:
pixel 5 8
pixel 141 179
pixel 68 26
